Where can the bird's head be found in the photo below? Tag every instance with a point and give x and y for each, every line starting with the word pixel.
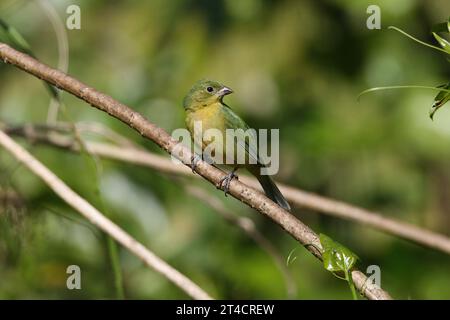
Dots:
pixel 205 92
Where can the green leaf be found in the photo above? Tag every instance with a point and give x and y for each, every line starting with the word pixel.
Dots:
pixel 445 28
pixel 440 27
pixel 442 98
pixel 18 40
pixel 13 37
pixel 442 42
pixel 336 257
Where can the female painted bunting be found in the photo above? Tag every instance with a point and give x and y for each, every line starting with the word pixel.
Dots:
pixel 204 104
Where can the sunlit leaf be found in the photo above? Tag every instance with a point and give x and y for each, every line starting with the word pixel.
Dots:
pixel 440 100
pixel 336 257
pixel 442 42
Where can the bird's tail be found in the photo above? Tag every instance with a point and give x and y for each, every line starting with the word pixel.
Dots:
pixel 272 191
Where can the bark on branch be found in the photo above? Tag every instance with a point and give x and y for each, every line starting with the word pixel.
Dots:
pixel 237 189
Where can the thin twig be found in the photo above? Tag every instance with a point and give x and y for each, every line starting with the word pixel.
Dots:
pixel 106 132
pixel 147 129
pixel 98 219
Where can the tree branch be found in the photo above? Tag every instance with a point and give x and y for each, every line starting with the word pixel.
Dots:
pixel 302 199
pixel 99 220
pixel 237 189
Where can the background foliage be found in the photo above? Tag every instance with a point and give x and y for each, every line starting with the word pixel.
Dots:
pixel 294 65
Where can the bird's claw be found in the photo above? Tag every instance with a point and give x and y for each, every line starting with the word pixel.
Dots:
pixel 224 183
pixel 194 160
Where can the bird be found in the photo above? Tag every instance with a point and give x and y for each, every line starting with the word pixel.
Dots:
pixel 204 103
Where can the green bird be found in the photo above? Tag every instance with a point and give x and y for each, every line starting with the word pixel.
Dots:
pixel 204 104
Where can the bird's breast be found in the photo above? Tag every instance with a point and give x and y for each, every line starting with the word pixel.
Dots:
pixel 210 117
pixel 200 123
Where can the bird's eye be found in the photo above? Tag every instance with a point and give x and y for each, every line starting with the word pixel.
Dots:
pixel 210 89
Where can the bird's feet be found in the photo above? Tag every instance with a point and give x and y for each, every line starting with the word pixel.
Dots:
pixel 194 160
pixel 224 183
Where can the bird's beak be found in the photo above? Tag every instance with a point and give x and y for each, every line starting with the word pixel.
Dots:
pixel 224 91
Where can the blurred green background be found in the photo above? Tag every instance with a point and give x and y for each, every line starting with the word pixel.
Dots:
pixel 294 65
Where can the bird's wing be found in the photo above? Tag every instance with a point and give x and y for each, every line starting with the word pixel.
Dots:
pixel 250 145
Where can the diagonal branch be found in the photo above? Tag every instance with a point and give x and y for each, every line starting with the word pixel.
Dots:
pixel 240 191
pixel 98 219
pixel 302 199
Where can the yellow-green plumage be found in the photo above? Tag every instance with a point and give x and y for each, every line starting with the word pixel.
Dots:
pixel 204 103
